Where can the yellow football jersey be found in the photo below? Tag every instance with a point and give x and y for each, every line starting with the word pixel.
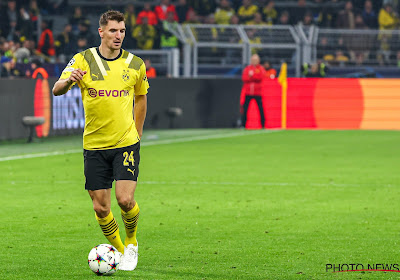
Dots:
pixel 108 90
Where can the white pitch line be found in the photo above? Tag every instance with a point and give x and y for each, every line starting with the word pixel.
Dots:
pixel 281 184
pixel 55 153
pixel 206 137
pixel 152 143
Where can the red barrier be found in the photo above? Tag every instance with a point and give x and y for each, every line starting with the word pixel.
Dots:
pixel 331 103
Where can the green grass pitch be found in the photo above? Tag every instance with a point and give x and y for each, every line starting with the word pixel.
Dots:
pixel 215 204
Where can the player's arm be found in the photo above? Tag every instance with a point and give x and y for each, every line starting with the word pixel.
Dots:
pixel 140 111
pixel 63 85
pixel 140 108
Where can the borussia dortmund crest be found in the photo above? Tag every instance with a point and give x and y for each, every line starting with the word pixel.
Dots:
pixel 125 75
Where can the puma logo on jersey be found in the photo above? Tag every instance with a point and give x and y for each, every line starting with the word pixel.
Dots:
pixel 95 76
pixel 132 171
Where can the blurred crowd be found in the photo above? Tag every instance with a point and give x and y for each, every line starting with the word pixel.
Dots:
pixel 26 32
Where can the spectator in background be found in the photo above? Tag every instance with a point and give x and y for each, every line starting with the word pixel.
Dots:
pixel 211 34
pixel 359 44
pixel 387 20
pixel 269 13
pixel 284 18
pixel 82 44
pixel 84 32
pixel 130 17
pixel 182 10
pixel 315 70
pixel 257 20
pixel 149 14
pixel 9 19
pixel 369 15
pixel 46 41
pixel 254 38
pixel 163 9
pixel 145 35
pixel 224 12
pixel 325 49
pixel 341 59
pixel 231 36
pixel 169 29
pixel 346 17
pixel 252 77
pixel 150 70
pixel 6 47
pixel 34 10
pixel 38 72
pixel 308 19
pixel 234 20
pixel 192 17
pixel 65 43
pixel 76 18
pixel 247 11
pixel 327 16
pixel 9 69
pixel 25 25
pixel 203 7
pixel 270 73
pixel 130 23
pixel 56 6
pixel 298 12
pixel 23 53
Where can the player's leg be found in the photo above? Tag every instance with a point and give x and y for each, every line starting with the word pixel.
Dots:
pixel 98 173
pixel 260 109
pixel 126 171
pixel 124 192
pixel 102 207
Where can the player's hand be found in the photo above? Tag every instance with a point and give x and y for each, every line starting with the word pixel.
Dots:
pixel 76 75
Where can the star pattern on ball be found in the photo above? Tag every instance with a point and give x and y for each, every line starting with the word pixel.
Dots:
pixel 99 259
pixel 112 249
pixel 113 265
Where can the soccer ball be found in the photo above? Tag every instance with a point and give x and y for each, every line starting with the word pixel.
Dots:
pixel 104 259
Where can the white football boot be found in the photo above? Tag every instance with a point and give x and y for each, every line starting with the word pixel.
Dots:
pixel 130 258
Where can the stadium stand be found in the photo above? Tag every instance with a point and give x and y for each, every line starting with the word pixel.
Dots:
pixel 349 36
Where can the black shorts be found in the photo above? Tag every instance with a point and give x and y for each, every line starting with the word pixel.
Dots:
pixel 102 167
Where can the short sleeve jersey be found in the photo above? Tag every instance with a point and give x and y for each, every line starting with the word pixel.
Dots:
pixel 108 89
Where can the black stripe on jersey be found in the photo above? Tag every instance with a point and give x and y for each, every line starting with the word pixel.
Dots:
pixel 95 72
pixel 135 63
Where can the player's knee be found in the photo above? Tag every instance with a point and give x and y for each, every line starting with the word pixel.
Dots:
pixel 101 210
pixel 126 203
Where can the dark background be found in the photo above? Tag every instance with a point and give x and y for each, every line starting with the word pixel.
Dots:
pixel 206 103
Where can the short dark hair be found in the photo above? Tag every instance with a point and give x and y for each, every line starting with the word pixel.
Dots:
pixel 111 15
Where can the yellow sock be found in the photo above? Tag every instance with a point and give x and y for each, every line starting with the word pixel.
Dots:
pixel 130 219
pixel 110 229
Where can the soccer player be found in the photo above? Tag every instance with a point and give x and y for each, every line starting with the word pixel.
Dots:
pixel 111 79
